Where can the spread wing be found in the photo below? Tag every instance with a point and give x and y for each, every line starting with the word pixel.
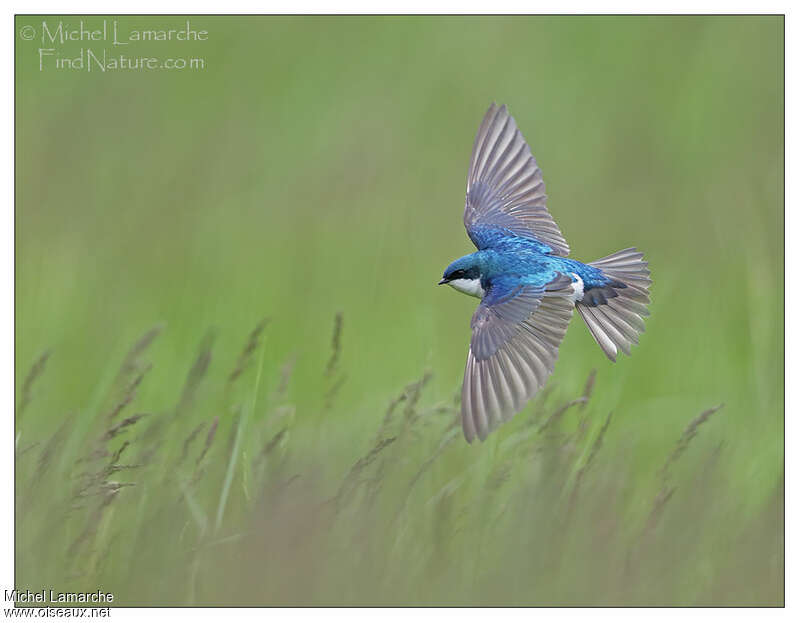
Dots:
pixel 505 190
pixel 516 332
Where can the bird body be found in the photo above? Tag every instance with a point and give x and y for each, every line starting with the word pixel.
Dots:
pixel 527 285
pixel 521 261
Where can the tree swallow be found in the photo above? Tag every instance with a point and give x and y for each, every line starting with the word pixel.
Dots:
pixel 527 285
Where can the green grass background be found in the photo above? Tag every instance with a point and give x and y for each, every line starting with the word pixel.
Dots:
pixel 317 165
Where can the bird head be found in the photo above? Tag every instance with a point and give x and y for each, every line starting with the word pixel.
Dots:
pixel 465 276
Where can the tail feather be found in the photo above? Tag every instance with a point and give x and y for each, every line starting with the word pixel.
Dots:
pixel 615 320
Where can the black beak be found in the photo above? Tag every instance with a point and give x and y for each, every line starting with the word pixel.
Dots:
pixel 443 281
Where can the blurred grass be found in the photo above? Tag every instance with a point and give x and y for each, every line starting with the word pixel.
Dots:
pixel 317 166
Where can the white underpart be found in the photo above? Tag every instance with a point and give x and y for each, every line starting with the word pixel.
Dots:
pixel 471 287
pixel 577 289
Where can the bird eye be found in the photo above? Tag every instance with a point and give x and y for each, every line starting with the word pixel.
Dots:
pixel 458 274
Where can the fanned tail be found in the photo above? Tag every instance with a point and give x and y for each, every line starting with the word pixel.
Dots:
pixel 615 314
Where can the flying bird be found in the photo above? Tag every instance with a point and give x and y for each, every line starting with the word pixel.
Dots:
pixel 527 285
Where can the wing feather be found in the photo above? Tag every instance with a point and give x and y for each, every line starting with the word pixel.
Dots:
pixel 505 189
pixel 500 379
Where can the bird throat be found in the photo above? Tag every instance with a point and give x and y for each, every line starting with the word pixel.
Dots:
pixel 472 287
